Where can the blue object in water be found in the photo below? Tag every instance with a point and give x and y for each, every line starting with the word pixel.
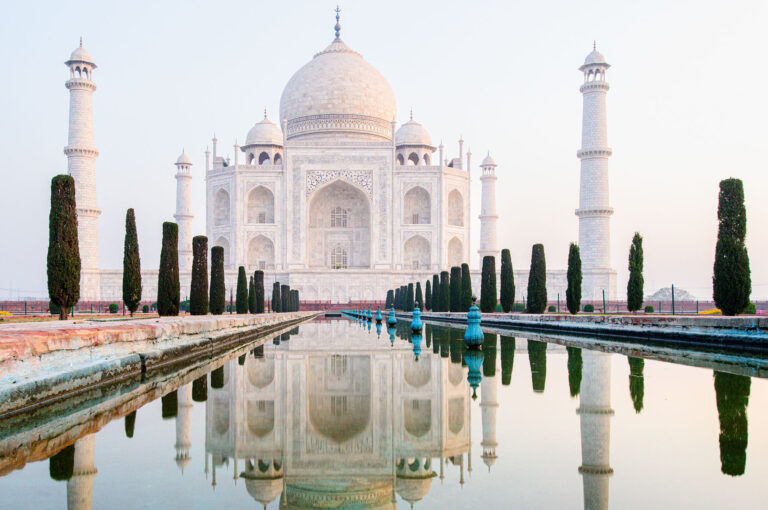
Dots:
pixel 416 325
pixel 369 326
pixel 378 329
pixel 392 320
pixel 474 361
pixel 416 339
pixel 369 316
pixel 473 336
pixel 378 316
pixel 391 336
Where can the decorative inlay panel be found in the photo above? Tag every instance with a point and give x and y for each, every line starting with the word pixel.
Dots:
pixel 360 178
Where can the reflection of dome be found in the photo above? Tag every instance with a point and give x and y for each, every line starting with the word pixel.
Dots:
pixel 412 133
pixel 455 374
pixel 339 493
pixel 264 491
pixel 416 374
pixel 261 371
pixel 456 414
pixel 264 133
pixel 414 489
pixel 338 91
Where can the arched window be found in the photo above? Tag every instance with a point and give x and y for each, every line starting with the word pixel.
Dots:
pixel 261 206
pixel 251 158
pixel 416 207
pixel 426 159
pixel 455 209
pixel 221 208
pixel 224 243
pixel 278 159
pixel 263 158
pixel 339 258
pixel 416 253
pixel 400 159
pixel 455 252
pixel 261 253
pixel 339 217
pixel 413 159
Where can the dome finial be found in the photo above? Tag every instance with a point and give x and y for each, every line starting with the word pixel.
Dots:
pixel 411 113
pixel 594 45
pixel 265 113
pixel 338 26
pixel 81 41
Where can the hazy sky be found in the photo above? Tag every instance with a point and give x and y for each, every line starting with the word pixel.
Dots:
pixel 687 108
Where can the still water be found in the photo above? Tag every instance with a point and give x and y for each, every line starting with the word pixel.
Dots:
pixel 335 415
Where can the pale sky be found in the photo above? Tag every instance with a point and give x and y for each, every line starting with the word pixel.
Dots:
pixel 687 108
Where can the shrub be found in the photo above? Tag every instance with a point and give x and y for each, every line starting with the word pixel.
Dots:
pixel 731 281
pixel 507 281
pixel 635 283
pixel 145 308
pixel 168 291
pixel 751 309
pixel 241 302
pixel 454 303
pixel 488 285
pixel 198 295
pixel 518 307
pixel 427 296
pixel 466 288
pixel 445 292
pixel 498 308
pixel 258 282
pixel 63 248
pixel 573 292
pixel 589 307
pixel 113 308
pixel 537 280
pixel 218 294
pixel 649 309
pixel 435 303
pixel 551 308
pixel 131 265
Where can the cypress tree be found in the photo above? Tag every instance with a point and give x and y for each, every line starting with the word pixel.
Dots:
pixel 390 301
pixel 537 281
pixel 428 296
pixel 285 294
pixel 198 295
pixel 296 304
pixel 537 356
pixel 635 283
pixel 258 281
pixel 731 281
pixel 409 297
pixel 168 291
pixel 636 382
pixel 507 359
pixel 507 296
pixel 276 300
pixel 455 289
pixel 130 424
pixel 131 265
pixel 218 300
pixel 419 299
pixel 466 288
pixel 732 394
pixel 397 299
pixel 231 303
pixel 251 296
pixel 445 292
pixel 63 247
pixel 574 368
pixel 435 293
pixel 488 285
pixel 241 301
pixel 573 291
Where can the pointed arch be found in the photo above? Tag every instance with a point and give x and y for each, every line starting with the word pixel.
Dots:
pixel 455 209
pixel 413 158
pixel 264 158
pixel 417 206
pixel 221 208
pixel 261 205
pixel 416 253
pixel 400 159
pixel 261 253
pixel 455 252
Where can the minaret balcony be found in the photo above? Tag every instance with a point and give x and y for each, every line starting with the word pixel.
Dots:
pixel 72 150
pixel 604 152
pixel 80 83
pixel 594 86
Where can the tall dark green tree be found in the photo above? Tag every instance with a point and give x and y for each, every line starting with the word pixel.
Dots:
pixel 63 247
pixel 732 394
pixel 168 290
pixel 573 291
pixel 635 283
pixel 574 369
pixel 285 293
pixel 454 302
pixel 397 299
pixel 435 303
pixel 488 285
pixel 445 292
pixel 200 388
pixel 251 296
pixel 241 300
pixel 131 265
pixel 636 382
pixel 419 299
pixel 258 281
pixel 130 424
pixel 731 281
pixel 537 281
pixel 389 302
pixel 507 358
pixel 277 301
pixel 428 296
pixel 409 298
pixel 218 300
pixel 466 288
pixel 537 356
pixel 198 295
pixel 507 296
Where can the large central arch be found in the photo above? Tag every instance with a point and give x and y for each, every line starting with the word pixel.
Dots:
pixel 339 227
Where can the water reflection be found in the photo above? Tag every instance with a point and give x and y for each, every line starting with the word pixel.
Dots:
pixel 327 420
pixel 732 393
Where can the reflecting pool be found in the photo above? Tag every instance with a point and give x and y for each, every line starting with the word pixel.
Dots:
pixel 342 414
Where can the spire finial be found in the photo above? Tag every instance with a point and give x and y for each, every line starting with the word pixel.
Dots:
pixel 265 113
pixel 338 25
pixel 594 45
pixel 411 113
pixel 81 41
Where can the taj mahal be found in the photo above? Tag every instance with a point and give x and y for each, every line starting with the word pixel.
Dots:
pixel 338 200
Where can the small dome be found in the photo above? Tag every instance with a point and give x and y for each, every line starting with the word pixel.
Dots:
pixel 489 460
pixel 265 132
pixel 414 489
pixel 488 161
pixel 81 55
pixel 412 133
pixel 183 159
pixel 182 462
pixel 263 490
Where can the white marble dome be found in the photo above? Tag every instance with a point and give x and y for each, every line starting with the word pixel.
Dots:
pixel 81 55
pixel 183 159
pixel 265 132
pixel 595 57
pixel 488 161
pixel 338 91
pixel 412 133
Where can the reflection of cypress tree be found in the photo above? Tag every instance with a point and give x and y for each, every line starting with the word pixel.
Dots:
pixel 489 360
pixel 200 388
pixel 170 405
pixel 636 382
pixel 427 335
pixel 732 392
pixel 130 423
pixel 217 378
pixel 574 370
pixel 457 345
pixel 537 356
pixel 445 345
pixel 258 352
pixel 61 465
pixel 241 360
pixel 507 358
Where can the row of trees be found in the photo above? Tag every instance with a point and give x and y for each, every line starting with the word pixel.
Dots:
pixel 446 292
pixel 284 299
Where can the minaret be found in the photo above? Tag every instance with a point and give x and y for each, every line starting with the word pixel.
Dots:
pixel 488 405
pixel 80 485
pixel 183 423
pixel 81 155
pixel 594 210
pixel 488 216
pixel 595 418
pixel 183 214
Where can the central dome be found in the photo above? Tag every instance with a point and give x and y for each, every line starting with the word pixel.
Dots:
pixel 338 92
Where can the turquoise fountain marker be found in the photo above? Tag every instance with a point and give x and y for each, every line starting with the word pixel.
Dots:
pixel 378 329
pixel 416 340
pixel 474 360
pixel 391 336
pixel 369 326
pixel 473 336
pixel 416 325
pixel 369 316
pixel 378 316
pixel 392 320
